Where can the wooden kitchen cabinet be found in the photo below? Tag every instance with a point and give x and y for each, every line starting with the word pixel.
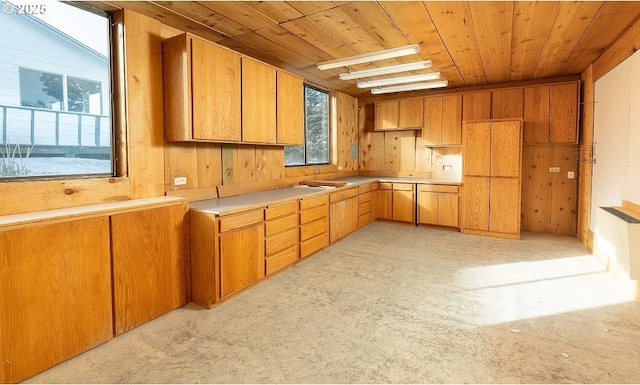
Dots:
pixel 290 109
pixel 551 113
pixel 281 236
pixel 492 164
pixel 314 224
pixel 507 104
pixel 259 122
pixel 343 213
pixel 404 114
pixel 438 205
pixel 242 251
pixel 442 124
pixel 396 202
pixel 404 205
pixel 202 97
pixel 476 106
pixel 364 205
pixel 55 294
pixel 149 256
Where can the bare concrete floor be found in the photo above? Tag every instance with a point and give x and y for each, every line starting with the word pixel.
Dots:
pixel 391 304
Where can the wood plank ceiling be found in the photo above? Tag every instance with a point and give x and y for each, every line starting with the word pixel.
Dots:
pixel 470 43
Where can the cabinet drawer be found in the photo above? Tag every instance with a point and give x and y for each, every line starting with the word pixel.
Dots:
pixel 275 226
pixel 281 260
pixel 280 210
pixel 438 188
pixel 364 220
pixel 375 186
pixel 386 186
pixel 314 228
pixel 403 186
pixel 313 214
pixel 342 195
pixel 236 221
pixel 281 241
pixel 364 207
pixel 314 244
pixel 306 203
pixel 364 188
pixel 365 197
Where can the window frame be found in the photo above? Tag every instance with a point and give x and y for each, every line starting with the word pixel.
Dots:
pixel 329 131
pixel 117 128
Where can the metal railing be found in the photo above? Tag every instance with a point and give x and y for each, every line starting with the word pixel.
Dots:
pixel 53 117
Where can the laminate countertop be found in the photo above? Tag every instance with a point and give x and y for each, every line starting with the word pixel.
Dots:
pixel 244 202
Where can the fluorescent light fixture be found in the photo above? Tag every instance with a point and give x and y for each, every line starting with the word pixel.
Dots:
pixel 399 80
pixel 409 87
pixel 369 57
pixel 386 70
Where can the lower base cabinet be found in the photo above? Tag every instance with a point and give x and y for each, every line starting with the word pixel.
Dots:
pixel 343 213
pixel 396 202
pixel 149 264
pixel 241 259
pixel 55 295
pixel 438 205
pixel 314 224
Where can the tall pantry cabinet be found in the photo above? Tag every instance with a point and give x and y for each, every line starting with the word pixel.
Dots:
pixel 491 172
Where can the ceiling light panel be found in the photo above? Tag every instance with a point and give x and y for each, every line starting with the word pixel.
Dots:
pixel 386 70
pixel 399 80
pixel 370 57
pixel 409 87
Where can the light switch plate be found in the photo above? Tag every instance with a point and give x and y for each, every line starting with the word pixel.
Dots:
pixel 179 181
pixel 571 175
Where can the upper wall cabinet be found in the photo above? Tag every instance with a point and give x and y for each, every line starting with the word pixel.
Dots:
pixel 551 113
pixel 290 109
pixel 214 94
pixel 507 104
pixel 476 106
pixel 442 124
pixel 201 91
pixel 406 114
pixel 258 102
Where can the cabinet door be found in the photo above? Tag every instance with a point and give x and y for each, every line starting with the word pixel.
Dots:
pixel 149 264
pixel 506 145
pixel 476 151
pixel 427 208
pixel 258 102
pixel 448 207
pixel 563 115
pixel 387 115
pixel 403 206
pixel 452 120
pixel 385 204
pixel 290 112
pixel 507 104
pixel 343 218
pixel 475 203
pixel 374 205
pixel 505 205
pixel 215 92
pixel 410 113
pixel 476 106
pixel 241 258
pixel 55 295
pixel 432 125
pixel 536 114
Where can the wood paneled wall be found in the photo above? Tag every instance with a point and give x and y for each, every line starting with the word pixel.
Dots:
pixel 549 199
pixel 402 153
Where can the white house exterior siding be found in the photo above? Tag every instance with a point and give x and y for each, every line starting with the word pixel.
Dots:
pixel 36 46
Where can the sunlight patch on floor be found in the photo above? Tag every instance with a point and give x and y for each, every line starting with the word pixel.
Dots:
pixel 525 290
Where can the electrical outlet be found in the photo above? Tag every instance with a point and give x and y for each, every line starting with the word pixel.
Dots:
pixel 446 167
pixel 554 169
pixel 179 181
pixel 571 175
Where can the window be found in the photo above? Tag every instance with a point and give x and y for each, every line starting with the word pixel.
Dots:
pixel 316 128
pixel 55 101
